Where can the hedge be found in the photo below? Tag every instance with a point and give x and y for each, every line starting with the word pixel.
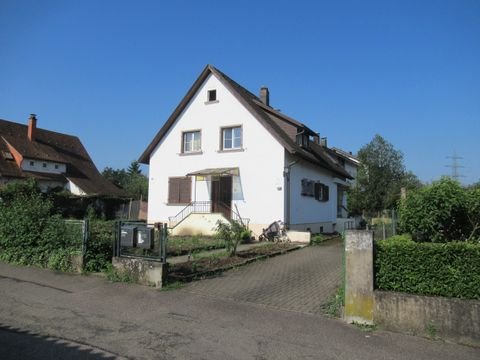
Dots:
pixel 450 269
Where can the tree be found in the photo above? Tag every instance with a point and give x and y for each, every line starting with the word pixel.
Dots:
pixel 134 168
pixel 440 212
pixel 131 180
pixel 380 177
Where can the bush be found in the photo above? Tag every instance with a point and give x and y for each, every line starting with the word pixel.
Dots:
pixel 441 212
pixel 405 238
pixel 100 245
pixel 231 233
pixel 317 239
pixel 450 269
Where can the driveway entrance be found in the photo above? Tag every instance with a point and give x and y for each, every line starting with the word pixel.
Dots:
pixel 301 281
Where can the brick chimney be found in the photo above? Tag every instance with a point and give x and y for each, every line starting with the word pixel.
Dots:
pixel 32 127
pixel 265 95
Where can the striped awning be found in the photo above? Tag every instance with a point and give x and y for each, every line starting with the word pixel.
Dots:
pixel 234 171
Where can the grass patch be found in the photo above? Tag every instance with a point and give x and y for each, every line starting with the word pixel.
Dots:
pixel 365 327
pixel 114 275
pixel 173 286
pixel 182 245
pixel 335 304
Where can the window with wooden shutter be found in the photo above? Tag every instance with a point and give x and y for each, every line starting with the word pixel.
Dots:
pixel 325 193
pixel 179 190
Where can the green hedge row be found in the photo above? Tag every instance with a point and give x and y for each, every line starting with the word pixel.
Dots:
pixel 450 269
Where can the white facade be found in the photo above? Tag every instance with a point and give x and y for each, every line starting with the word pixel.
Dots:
pixel 266 181
pixel 258 190
pixel 43 166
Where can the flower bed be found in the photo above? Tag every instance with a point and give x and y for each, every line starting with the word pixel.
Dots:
pixel 214 263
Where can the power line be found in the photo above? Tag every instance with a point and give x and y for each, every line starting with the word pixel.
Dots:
pixel 455 166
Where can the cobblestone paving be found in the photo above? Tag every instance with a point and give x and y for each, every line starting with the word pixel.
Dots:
pixel 301 280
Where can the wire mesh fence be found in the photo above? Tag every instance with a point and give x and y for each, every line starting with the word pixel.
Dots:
pixel 385 225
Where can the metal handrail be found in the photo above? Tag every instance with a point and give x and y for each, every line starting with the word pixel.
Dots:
pixel 199 207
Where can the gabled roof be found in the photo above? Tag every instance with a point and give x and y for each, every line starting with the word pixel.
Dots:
pixel 283 128
pixel 53 147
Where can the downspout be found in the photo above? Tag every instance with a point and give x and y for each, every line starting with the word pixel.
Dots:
pixel 286 174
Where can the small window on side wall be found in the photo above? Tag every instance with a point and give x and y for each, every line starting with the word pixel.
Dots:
pixel 212 95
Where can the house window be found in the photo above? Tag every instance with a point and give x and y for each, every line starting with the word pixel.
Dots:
pixel 44 165
pixel 179 190
pixel 316 190
pixel 232 138
pixel 32 163
pixel 308 187
pixel 192 141
pixel 56 166
pixel 212 95
pixel 321 192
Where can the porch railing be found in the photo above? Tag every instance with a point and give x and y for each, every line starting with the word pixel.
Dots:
pixel 195 207
pixel 203 207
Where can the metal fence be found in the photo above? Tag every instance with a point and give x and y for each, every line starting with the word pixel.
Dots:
pixel 76 234
pixel 135 239
pixel 385 226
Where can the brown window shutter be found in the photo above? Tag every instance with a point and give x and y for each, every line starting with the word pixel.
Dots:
pixel 173 190
pixel 185 190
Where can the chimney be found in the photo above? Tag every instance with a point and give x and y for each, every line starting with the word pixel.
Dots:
pixel 32 127
pixel 265 95
pixel 323 141
pixel 316 138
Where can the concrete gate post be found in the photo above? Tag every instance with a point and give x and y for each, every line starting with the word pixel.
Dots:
pixel 359 300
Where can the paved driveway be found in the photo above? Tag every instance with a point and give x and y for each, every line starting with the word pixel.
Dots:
pixel 301 281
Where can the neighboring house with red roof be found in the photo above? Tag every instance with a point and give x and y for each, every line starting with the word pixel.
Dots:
pixel 52 159
pixel 225 152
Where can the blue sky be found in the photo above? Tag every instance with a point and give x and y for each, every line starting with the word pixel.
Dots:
pixel 111 72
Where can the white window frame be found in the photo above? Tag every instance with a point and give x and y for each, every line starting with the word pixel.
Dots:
pixel 191 141
pixel 236 140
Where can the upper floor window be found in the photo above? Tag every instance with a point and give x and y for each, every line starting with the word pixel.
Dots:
pixel 212 95
pixel 44 165
pixel 32 163
pixel 56 166
pixel 192 141
pixel 232 138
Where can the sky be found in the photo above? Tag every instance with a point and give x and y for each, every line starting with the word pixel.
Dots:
pixel 111 72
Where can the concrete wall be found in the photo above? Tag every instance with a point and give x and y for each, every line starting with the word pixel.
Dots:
pixel 359 276
pixel 257 191
pixel 447 318
pixel 141 271
pixel 198 224
pixel 452 319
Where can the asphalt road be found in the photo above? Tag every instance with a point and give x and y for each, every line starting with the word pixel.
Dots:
pixel 100 319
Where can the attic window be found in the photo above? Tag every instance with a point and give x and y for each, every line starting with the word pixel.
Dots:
pixel 212 95
pixel 32 163
pixel 56 166
pixel 44 165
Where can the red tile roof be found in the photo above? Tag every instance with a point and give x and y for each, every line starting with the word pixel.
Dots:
pixel 53 147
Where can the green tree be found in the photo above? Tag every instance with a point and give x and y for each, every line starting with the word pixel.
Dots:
pixel 131 180
pixel 441 212
pixel 134 168
pixel 379 179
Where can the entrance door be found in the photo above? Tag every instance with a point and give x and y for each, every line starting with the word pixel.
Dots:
pixel 222 196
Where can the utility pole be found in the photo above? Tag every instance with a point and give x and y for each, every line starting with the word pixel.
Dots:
pixel 455 166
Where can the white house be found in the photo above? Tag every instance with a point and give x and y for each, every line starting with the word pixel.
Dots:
pixel 225 152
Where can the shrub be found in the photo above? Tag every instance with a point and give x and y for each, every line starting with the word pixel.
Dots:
pixel 317 239
pixel 441 212
pixel 100 246
pixel 450 269
pixel 231 233
pixel 404 238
